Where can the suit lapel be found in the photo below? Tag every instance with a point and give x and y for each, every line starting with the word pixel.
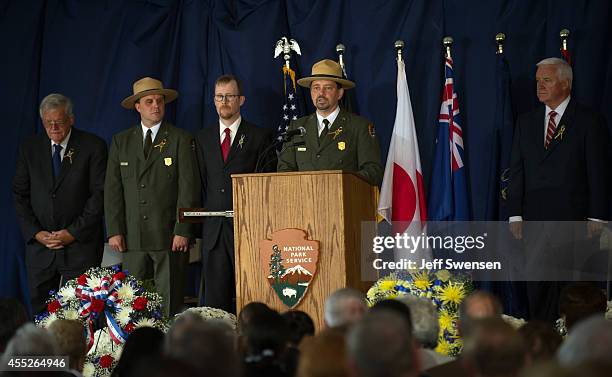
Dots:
pixel 69 155
pixel 160 144
pixel 45 160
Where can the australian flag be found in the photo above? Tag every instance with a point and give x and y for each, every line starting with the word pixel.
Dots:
pixel 290 107
pixel 448 199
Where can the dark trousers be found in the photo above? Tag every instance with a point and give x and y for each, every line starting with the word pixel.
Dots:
pixel 218 274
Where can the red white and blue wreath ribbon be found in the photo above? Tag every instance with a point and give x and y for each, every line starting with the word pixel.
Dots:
pixel 107 292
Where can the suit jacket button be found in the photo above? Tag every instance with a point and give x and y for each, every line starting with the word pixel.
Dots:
pixel 318 156
pixel 53 196
pixel 143 202
pixel 222 190
pixel 142 185
pixel 144 217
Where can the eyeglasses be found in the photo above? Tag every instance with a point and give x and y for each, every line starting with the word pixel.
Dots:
pixel 228 97
pixel 50 123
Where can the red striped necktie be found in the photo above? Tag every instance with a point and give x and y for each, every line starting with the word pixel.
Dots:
pixel 550 130
pixel 226 143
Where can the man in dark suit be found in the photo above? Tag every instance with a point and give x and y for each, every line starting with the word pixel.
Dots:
pixel 231 146
pixel 58 190
pixel 335 139
pixel 559 170
pixel 152 172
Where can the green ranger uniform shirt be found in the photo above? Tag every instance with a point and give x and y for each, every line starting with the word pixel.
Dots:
pixel 350 145
pixel 142 196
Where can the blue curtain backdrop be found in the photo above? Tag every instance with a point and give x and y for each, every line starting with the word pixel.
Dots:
pixel 93 50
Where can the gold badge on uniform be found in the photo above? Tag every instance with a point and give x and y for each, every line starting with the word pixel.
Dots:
pixel 168 161
pixel 341 145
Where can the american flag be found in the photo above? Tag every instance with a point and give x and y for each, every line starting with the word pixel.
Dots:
pixel 448 199
pixel 290 107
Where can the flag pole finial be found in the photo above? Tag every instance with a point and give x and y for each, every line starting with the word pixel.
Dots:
pixel 500 38
pixel 564 35
pixel 448 42
pixel 399 45
pixel 285 46
pixel 340 51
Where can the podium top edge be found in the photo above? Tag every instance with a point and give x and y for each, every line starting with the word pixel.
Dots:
pixel 277 174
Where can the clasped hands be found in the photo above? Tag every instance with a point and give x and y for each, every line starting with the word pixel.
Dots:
pixel 179 243
pixel 55 240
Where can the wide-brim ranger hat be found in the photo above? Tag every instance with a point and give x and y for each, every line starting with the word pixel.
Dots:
pixel 146 87
pixel 326 70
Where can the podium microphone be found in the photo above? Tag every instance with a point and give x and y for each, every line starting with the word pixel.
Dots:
pixel 288 135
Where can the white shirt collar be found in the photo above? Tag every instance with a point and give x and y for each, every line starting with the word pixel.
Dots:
pixel 559 110
pixel 233 129
pixel 153 129
pixel 64 144
pixel 331 118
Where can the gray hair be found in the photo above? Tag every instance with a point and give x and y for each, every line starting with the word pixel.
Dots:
pixel 589 340
pixel 425 325
pixel 54 101
pixel 564 70
pixel 30 340
pixel 381 345
pixel 340 305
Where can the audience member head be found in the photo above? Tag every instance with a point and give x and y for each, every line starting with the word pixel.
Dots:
pixel 493 348
pixel 396 307
pixel 344 307
pixel 206 346
pixel 478 305
pixel 266 333
pixel 30 340
pixel 553 369
pixel 581 300
pixel 541 340
pixel 590 340
pixel 425 325
pixel 248 311
pixel 323 355
pixel 163 367
pixel 300 325
pixel 143 346
pixel 12 316
pixel 381 344
pixel 70 338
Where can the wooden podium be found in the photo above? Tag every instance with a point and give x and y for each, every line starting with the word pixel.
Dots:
pixel 329 205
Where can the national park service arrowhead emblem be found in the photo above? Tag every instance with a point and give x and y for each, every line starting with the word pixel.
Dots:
pixel 289 261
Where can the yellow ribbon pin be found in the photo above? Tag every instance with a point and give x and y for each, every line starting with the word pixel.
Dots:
pixel 559 134
pixel 161 145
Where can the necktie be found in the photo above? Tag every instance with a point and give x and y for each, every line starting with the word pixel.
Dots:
pixel 226 143
pixel 550 129
pixel 57 159
pixel 324 131
pixel 148 144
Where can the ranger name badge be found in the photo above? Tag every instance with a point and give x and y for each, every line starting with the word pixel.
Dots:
pixel 168 161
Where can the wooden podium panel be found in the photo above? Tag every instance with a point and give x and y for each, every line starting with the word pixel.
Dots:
pixel 329 205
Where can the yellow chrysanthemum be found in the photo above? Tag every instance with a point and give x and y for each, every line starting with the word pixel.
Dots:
pixel 422 280
pixel 446 320
pixel 443 347
pixel 387 285
pixel 452 294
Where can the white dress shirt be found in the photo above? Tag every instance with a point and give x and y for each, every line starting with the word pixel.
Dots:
pixel 233 130
pixel 331 118
pixel 64 145
pixel 153 129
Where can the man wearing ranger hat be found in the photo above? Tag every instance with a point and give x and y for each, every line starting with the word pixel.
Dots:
pixel 152 171
pixel 335 139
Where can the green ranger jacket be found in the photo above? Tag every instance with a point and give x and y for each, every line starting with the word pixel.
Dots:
pixel 142 196
pixel 350 145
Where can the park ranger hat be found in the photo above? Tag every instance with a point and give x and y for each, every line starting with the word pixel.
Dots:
pixel 326 70
pixel 146 87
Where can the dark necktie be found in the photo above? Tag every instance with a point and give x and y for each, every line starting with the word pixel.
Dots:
pixel 148 144
pixel 324 131
pixel 550 130
pixel 226 144
pixel 57 159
